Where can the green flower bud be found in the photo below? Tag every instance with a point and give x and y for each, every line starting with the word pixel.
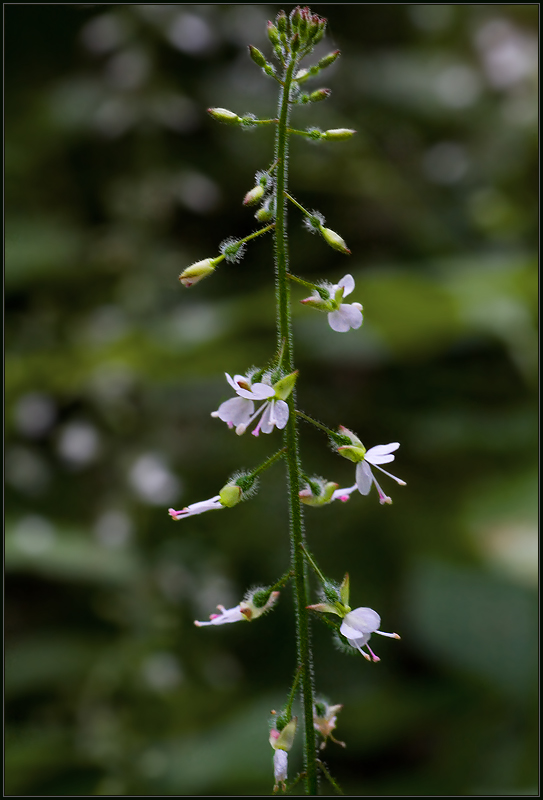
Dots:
pixel 281 20
pixel 273 35
pixel 224 115
pixel 319 94
pixel 257 56
pixel 337 134
pixel 253 196
pixel 329 59
pixel 334 240
pixel 197 271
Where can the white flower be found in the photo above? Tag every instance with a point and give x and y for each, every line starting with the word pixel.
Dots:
pixel 246 610
pixel 197 508
pixel 357 627
pixel 348 315
pixel 380 454
pixel 341 316
pixel 226 615
pixel 239 411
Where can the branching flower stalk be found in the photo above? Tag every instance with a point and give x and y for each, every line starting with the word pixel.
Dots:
pixel 265 399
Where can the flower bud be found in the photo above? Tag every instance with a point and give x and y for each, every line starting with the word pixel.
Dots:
pixel 253 196
pixel 337 134
pixel 197 271
pixel 315 301
pixel 295 17
pixel 283 388
pixel 230 495
pixel 334 240
pixel 266 212
pixel 327 60
pixel 224 115
pixel 319 94
pixel 281 20
pixel 273 34
pixel 257 56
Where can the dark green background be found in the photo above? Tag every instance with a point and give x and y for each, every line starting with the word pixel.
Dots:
pixel 116 179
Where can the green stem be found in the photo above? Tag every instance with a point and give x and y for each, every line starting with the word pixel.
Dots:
pixel 318 573
pixel 297 204
pixel 284 334
pixel 301 281
pixel 269 461
pixel 258 233
pixel 292 695
pixel 333 434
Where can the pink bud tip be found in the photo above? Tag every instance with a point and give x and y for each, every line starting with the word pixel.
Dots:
pixel 214 616
pixel 344 498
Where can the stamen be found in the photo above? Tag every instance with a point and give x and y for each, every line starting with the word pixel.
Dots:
pixel 373 656
pixel 394 478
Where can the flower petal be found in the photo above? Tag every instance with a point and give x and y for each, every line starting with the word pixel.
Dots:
pixel 235 411
pixel 364 620
pixel 262 391
pixel 347 284
pixel 353 634
pixel 364 477
pixel 352 314
pixel 381 450
pixel 281 413
pixel 338 321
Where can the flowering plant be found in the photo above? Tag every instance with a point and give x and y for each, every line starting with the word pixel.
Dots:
pixel 267 397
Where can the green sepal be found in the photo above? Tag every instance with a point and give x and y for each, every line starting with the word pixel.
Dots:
pixel 283 388
pixel 352 452
pixel 344 590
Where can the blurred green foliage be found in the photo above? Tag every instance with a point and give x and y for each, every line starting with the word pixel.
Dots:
pixel 116 180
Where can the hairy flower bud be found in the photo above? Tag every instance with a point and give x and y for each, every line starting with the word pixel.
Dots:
pixel 224 115
pixel 273 34
pixel 329 59
pixel 257 56
pixel 319 94
pixel 253 196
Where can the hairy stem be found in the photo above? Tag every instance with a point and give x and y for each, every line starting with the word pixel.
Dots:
pixel 292 456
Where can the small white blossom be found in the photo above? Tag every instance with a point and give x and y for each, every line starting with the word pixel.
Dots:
pixel 239 412
pixel 357 627
pixel 341 316
pixel 197 508
pixel 246 610
pixel 348 315
pixel 380 454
